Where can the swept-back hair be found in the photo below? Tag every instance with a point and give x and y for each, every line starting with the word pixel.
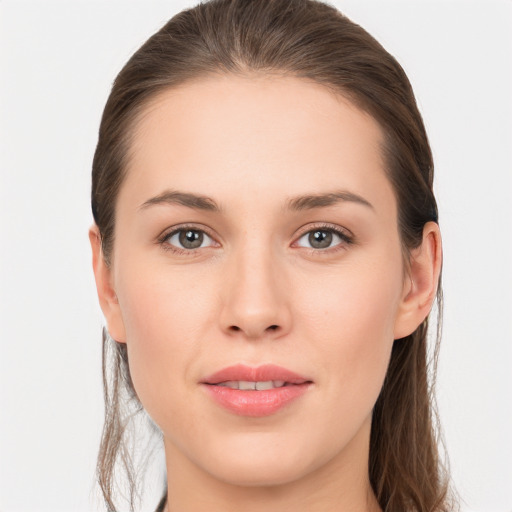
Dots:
pixel 312 41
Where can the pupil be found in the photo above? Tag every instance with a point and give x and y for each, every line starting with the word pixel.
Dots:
pixel 191 239
pixel 320 239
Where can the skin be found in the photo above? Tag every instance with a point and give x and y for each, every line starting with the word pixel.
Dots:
pixel 252 144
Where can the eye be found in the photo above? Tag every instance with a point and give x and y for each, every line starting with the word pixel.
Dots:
pixel 189 239
pixel 322 238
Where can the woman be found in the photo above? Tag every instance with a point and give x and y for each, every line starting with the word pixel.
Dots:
pixel 266 253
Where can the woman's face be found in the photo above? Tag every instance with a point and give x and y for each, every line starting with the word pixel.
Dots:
pixel 256 227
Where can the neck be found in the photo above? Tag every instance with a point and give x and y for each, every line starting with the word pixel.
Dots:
pixel 341 484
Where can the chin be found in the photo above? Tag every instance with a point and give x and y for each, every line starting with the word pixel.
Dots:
pixel 247 475
pixel 262 467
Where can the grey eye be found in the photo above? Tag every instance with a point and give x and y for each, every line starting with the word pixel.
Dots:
pixel 319 239
pixel 189 239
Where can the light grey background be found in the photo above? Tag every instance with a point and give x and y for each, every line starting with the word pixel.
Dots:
pixel 57 62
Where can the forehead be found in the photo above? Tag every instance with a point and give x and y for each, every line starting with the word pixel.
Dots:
pixel 244 135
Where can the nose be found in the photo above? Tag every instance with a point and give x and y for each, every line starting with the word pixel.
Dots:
pixel 255 302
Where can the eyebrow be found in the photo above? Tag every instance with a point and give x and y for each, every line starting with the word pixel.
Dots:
pixel 196 201
pixel 299 203
pixel 310 202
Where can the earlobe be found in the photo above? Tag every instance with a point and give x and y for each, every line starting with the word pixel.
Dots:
pixel 106 294
pixel 420 286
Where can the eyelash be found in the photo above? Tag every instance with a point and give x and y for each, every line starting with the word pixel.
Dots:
pixel 163 240
pixel 345 237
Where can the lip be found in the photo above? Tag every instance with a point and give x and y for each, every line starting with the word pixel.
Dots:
pixel 260 373
pixel 255 402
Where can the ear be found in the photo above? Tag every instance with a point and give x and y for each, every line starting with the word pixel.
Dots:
pixel 104 285
pixel 420 284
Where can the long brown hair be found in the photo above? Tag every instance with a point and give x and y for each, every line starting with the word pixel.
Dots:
pixel 310 40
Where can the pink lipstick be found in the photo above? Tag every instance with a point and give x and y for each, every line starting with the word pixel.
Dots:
pixel 260 391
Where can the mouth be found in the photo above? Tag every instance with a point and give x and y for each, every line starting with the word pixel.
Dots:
pixel 247 385
pixel 260 391
pixel 264 375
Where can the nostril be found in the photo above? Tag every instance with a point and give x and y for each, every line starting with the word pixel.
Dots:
pixel 236 328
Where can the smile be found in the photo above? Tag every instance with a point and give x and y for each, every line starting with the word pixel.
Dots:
pixel 261 391
pixel 246 385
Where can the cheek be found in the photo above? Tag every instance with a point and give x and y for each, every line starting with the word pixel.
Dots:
pixel 163 313
pixel 351 314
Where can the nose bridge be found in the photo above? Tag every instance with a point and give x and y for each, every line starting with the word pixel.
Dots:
pixel 255 302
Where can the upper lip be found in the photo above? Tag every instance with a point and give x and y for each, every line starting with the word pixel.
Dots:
pixel 262 373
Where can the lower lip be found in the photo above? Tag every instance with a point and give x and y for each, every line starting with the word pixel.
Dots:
pixel 256 403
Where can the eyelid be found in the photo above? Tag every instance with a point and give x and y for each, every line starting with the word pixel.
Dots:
pixel 167 233
pixel 345 234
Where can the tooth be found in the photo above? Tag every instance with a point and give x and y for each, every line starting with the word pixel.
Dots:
pixel 278 383
pixel 246 385
pixel 264 385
